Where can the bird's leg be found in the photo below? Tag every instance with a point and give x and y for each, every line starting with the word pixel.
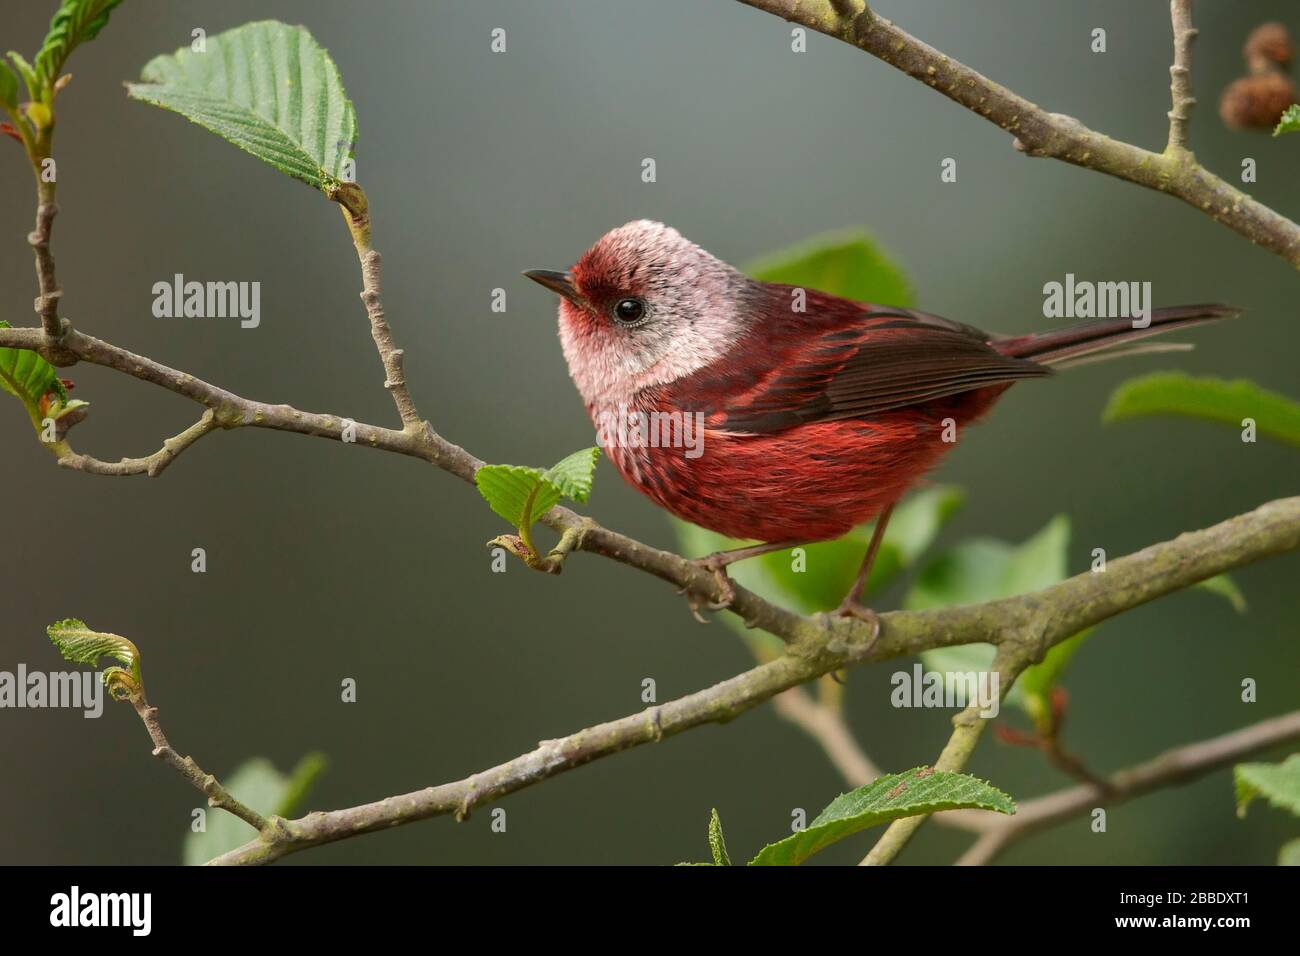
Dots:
pixel 717 563
pixel 851 606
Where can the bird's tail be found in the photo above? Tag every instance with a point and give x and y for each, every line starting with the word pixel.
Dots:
pixel 1109 338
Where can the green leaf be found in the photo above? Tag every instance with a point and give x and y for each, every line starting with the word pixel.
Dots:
pixel 1289 854
pixel 256 784
pixel 508 489
pixel 717 845
pixel 1290 121
pixel 573 475
pixel 1227 589
pixel 75 22
pixel 896 795
pixel 267 87
pixel 1176 393
pixel 521 494
pixel 8 88
pixel 27 73
pixel 984 569
pixel 847 263
pixel 27 376
pixel 79 644
pixel 1278 783
pixel 831 566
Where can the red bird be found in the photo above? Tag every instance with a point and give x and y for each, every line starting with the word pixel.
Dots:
pixel 814 420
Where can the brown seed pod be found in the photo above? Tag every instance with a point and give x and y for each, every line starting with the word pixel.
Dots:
pixel 1257 102
pixel 1268 47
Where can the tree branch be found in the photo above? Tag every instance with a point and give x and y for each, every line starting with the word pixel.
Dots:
pixel 389 354
pixel 1024 628
pixel 1173 767
pixel 151 465
pixel 1180 74
pixel 47 302
pixel 1040 133
pixel 968 726
pixel 205 783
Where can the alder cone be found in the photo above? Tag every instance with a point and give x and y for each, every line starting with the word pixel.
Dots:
pixel 1257 102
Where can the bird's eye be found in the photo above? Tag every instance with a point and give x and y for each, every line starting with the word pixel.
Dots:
pixel 629 311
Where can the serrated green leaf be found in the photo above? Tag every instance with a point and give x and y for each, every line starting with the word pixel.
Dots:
pixel 26 375
pixel 267 87
pixel 75 22
pixel 1290 121
pixel 717 845
pixel 521 494
pixel 1227 589
pixel 847 263
pixel 892 796
pixel 574 474
pixel 81 645
pixel 1278 783
pixel 1213 399
pixel 508 488
pixel 256 784
pixel 8 87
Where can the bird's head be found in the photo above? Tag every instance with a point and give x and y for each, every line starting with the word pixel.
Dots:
pixel 643 307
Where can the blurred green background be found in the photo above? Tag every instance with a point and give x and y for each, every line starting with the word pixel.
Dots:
pixel 327 562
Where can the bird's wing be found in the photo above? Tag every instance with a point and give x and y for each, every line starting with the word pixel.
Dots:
pixel 854 366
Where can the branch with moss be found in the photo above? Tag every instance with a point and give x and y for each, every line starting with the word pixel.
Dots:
pixel 1038 132
pixel 1024 628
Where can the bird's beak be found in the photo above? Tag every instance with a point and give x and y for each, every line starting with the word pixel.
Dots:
pixel 558 282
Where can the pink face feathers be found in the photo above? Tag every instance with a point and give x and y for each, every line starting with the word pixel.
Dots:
pixel 651 308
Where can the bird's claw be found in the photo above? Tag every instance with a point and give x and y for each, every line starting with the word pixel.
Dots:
pixel 850 608
pixel 724 583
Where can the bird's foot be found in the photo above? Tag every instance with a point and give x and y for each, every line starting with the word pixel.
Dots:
pixel 851 608
pixel 715 564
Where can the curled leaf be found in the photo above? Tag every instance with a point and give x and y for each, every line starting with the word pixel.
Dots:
pixel 75 22
pixel 81 645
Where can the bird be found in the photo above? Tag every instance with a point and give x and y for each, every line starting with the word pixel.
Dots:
pixel 815 413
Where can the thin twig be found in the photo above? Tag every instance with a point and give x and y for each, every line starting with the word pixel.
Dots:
pixel 151 465
pixel 1038 132
pixel 968 726
pixel 719 703
pixel 1180 74
pixel 1171 768
pixel 389 354
pixel 218 796
pixel 47 302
